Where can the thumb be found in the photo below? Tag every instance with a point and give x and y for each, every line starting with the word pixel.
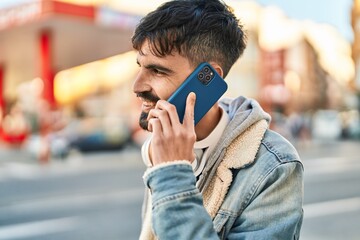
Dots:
pixel 189 110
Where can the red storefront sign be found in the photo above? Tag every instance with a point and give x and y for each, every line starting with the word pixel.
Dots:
pixel 35 10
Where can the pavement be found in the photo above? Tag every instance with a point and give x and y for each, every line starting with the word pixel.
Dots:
pixel 93 196
pixel 11 156
pixel 21 163
pixel 98 195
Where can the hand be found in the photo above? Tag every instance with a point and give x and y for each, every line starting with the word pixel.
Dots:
pixel 172 140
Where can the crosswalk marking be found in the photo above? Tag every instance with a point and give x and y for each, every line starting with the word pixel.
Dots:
pixel 330 165
pixel 321 209
pixel 39 228
pixel 72 202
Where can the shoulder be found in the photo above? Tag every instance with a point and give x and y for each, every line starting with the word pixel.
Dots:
pixel 276 168
pixel 276 157
pixel 278 148
pixel 276 163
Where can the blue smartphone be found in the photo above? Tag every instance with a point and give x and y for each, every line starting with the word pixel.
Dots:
pixel 208 86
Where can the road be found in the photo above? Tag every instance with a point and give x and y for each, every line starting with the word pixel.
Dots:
pixel 332 191
pixel 98 196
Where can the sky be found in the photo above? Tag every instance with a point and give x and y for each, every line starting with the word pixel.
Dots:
pixel 334 12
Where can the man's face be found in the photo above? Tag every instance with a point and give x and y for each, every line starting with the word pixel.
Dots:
pixel 158 78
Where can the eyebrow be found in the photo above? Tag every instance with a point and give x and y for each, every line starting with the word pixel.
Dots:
pixel 157 67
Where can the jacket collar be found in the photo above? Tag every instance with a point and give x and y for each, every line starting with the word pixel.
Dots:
pixel 241 152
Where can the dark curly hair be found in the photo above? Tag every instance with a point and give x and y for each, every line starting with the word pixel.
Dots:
pixel 200 30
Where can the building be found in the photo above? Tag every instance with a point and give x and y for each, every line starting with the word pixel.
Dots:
pixel 40 38
pixel 82 53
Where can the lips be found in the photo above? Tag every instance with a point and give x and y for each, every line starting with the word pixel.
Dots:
pixel 147 106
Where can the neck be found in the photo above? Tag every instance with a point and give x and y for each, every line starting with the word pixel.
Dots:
pixel 207 124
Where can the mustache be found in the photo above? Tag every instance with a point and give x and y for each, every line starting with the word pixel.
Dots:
pixel 148 96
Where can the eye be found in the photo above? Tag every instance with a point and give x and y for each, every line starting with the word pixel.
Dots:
pixel 158 72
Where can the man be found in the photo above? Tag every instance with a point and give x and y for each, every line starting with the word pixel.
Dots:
pixel 228 177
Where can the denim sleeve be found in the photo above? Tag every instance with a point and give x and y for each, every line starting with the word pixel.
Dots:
pixel 275 209
pixel 177 210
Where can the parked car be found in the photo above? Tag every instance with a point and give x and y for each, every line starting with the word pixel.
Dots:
pixel 326 125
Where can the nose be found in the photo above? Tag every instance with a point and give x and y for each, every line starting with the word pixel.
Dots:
pixel 141 83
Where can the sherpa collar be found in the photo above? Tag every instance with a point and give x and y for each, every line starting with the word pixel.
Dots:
pixel 240 152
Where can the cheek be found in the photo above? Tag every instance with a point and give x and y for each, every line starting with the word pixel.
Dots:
pixel 164 92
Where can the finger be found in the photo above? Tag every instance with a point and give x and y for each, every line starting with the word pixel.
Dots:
pixel 149 126
pixel 155 125
pixel 163 116
pixel 151 114
pixel 189 110
pixel 171 110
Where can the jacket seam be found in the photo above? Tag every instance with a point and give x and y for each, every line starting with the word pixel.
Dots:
pixel 177 196
pixel 277 153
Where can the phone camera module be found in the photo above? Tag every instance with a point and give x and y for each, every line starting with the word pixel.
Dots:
pixel 206 75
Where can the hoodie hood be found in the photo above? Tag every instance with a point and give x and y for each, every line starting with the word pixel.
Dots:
pixel 243 113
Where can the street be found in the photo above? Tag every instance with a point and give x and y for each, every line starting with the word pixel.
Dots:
pixel 332 191
pixel 99 195
pixel 92 197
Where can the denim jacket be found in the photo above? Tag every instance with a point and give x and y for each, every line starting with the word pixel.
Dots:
pixel 251 188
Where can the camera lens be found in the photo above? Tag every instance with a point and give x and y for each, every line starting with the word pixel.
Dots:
pixel 201 76
pixel 206 69
pixel 207 78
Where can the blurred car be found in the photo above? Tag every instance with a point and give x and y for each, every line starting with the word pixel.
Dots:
pixel 351 126
pixel 326 125
pixel 84 135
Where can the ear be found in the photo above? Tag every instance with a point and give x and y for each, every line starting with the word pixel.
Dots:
pixel 218 68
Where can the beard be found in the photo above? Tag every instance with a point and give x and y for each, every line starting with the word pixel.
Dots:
pixel 148 96
pixel 143 122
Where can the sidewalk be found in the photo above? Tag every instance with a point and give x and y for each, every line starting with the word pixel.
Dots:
pixel 21 164
pixel 8 154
